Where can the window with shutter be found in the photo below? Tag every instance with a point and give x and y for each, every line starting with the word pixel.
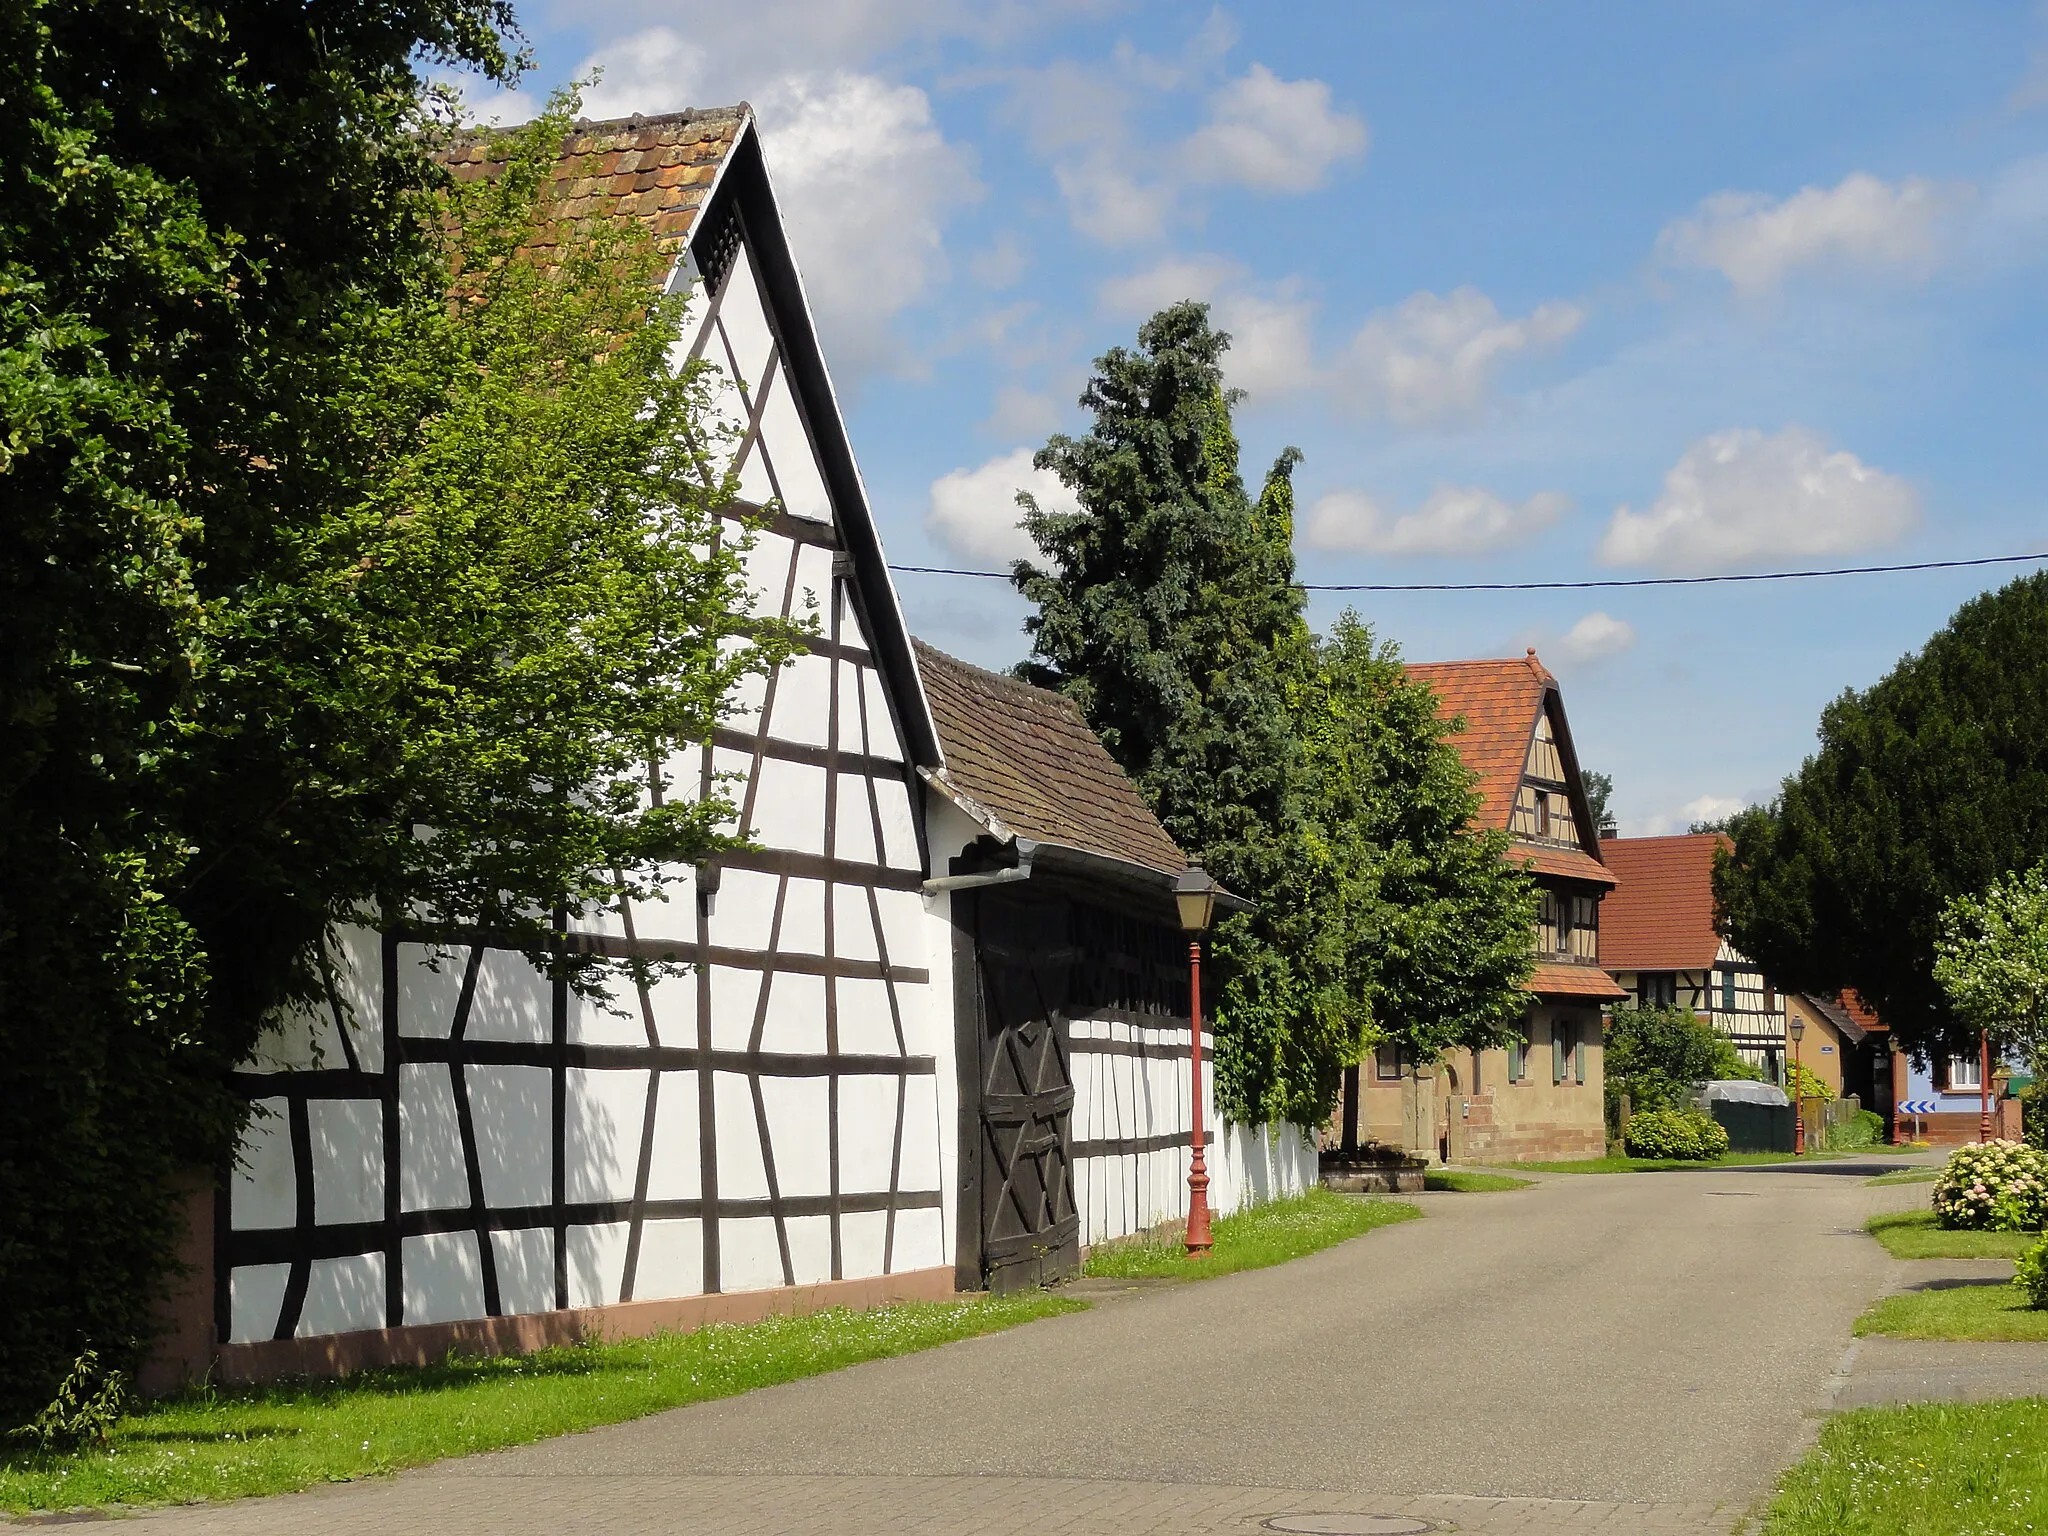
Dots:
pixel 1560 1046
pixel 1518 1058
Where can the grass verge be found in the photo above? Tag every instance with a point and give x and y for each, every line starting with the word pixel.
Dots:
pixel 1668 1164
pixel 1470 1183
pixel 1914 1235
pixel 1973 1310
pixel 1253 1239
pixel 1930 1469
pixel 1907 1176
pixel 229 1443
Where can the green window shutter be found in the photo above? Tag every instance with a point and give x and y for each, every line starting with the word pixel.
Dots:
pixel 1579 1059
pixel 1517 1058
pixel 1559 1044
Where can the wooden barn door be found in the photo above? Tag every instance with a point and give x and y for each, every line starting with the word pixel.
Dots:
pixel 1018 1208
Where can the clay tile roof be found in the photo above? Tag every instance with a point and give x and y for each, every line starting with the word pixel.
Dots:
pixel 1499 701
pixel 1836 1014
pixel 654 169
pixel 1565 980
pixel 1662 918
pixel 1027 755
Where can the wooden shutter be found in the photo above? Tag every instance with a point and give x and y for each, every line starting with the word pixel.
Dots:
pixel 1560 1034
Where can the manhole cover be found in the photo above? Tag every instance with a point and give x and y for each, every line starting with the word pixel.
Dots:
pixel 1348 1525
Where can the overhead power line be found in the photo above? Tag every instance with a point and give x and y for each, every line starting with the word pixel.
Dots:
pixel 1571 586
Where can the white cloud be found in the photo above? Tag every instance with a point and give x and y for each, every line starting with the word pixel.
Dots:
pixel 1433 357
pixel 1455 520
pixel 652 71
pixel 1710 808
pixel 1001 263
pixel 1106 202
pixel 1021 412
pixel 866 180
pixel 1755 241
pixel 1273 135
pixel 974 512
pixel 1594 637
pixel 1738 495
pixel 1272 347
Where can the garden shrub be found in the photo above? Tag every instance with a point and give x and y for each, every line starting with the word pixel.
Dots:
pixel 2030 1274
pixel 1866 1129
pixel 1994 1186
pixel 1684 1134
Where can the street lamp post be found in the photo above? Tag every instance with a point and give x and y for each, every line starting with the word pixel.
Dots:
pixel 1983 1085
pixel 1796 1028
pixel 1195 893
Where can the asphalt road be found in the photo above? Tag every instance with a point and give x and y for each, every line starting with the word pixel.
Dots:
pixel 1661 1339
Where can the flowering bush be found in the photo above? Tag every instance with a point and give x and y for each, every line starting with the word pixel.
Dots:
pixel 1995 1186
pixel 1677 1133
pixel 2030 1274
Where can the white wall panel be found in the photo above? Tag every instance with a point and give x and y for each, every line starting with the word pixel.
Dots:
pixel 429 1140
pixel 606 1113
pixel 744 319
pixel 867 1132
pixel 922 1168
pixel 767 571
pixel 675 1170
pixel 865 1028
pixel 343 1295
pixel 675 1008
pixel 511 1112
pixel 795 1020
pixel 796 464
pixel 882 738
pixel 264 1190
pixel 799 1115
pixel 526 1269
pixel 597 1263
pixel 810 1249
pixel 789 806
pixel 803 701
pixel 921 1241
pixel 853 925
pixel 749 1256
pixel 443 1277
pixel 347 1138
pixel 671 1260
pixel 863 1241
pixel 357 955
pixel 904 927
pixel 612 1020
pixel 744 914
pixel 429 983
pixel 512 1001
pixel 899 833
pixel 741 1175
pixel 255 1292
pixel 803 918
pixel 854 823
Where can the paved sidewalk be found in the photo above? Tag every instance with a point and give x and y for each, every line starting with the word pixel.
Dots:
pixel 1633 1353
pixel 1879 1369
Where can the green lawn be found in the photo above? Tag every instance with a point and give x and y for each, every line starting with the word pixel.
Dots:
pixel 1265 1234
pixel 1934 1469
pixel 1666 1164
pixel 1913 1235
pixel 1974 1311
pixel 227 1443
pixel 1470 1183
pixel 1907 1176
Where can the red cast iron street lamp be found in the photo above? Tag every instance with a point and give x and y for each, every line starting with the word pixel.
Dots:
pixel 1796 1029
pixel 1195 893
pixel 1983 1085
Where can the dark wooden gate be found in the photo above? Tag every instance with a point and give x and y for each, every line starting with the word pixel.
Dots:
pixel 1018 1223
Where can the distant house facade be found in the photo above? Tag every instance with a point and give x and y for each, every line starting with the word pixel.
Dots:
pixel 1661 946
pixel 1845 1046
pixel 1540 1096
pixel 1942 1101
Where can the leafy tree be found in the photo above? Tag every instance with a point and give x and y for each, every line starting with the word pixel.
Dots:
pixel 1309 775
pixel 1167 611
pixel 1598 787
pixel 1656 1056
pixel 302 557
pixel 1992 958
pixel 1929 785
pixel 1433 921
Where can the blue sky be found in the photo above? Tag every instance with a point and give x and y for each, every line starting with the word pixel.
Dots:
pixel 1541 292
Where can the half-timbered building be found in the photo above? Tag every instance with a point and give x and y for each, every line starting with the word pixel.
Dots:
pixel 1662 947
pixel 861 1077
pixel 1541 1096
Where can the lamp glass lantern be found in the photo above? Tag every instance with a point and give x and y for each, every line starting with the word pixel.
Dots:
pixel 1194 892
pixel 1796 1029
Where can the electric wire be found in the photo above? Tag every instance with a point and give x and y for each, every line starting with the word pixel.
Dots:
pixel 1572 586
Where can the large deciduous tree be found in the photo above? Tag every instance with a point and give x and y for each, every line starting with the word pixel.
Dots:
pixel 1929 785
pixel 1308 774
pixel 322 599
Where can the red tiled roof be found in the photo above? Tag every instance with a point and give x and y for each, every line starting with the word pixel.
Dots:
pixel 1026 754
pixel 658 169
pixel 1662 918
pixel 1563 980
pixel 1852 1005
pixel 1499 701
